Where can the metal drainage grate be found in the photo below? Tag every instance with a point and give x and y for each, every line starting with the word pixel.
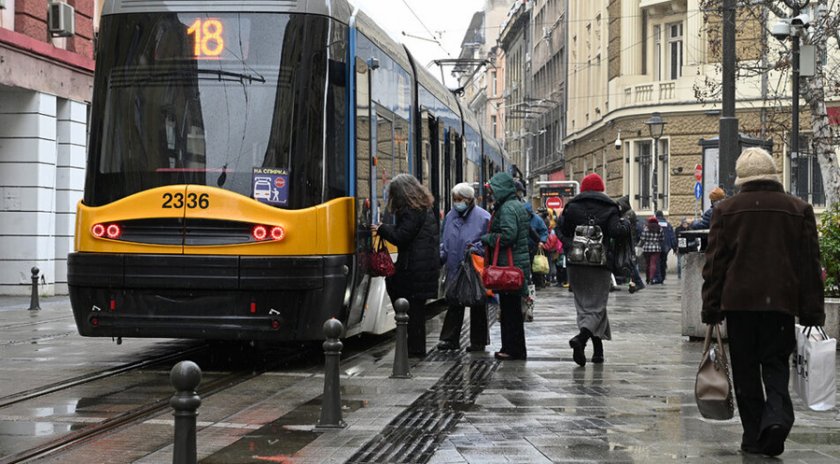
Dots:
pixel 413 436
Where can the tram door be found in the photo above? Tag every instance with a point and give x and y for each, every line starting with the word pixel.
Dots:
pixel 365 141
pixel 438 183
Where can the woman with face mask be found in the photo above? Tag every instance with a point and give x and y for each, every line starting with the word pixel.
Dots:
pixel 462 231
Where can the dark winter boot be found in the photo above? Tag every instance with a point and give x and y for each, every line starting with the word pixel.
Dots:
pixel 578 343
pixel 598 350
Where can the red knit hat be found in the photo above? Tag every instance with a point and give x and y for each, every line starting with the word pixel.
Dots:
pixel 592 183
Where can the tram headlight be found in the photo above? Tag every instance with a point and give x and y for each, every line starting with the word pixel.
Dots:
pixel 113 231
pixel 278 233
pixel 98 230
pixel 259 233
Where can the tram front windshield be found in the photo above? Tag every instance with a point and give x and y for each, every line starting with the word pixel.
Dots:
pixel 224 100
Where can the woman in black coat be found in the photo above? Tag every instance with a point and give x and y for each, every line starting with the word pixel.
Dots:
pixel 417 237
pixel 591 284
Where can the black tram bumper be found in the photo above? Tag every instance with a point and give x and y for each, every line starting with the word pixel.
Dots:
pixel 206 297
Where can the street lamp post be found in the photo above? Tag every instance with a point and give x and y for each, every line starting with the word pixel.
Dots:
pixel 656 126
pixel 793 28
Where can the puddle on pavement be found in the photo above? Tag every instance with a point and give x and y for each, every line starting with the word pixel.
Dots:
pixel 815 438
pixel 281 439
pixel 11 429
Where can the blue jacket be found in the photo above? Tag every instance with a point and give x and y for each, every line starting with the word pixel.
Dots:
pixel 460 231
pixel 538 225
pixel 670 241
pixel 704 222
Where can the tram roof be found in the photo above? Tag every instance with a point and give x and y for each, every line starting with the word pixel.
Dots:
pixel 338 9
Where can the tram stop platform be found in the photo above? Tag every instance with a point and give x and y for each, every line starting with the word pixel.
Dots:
pixel 470 408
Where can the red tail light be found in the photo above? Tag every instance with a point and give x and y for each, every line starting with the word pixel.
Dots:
pixel 98 230
pixel 113 231
pixel 259 233
pixel 278 233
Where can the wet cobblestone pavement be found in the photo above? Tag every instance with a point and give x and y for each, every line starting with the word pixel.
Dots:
pixel 459 408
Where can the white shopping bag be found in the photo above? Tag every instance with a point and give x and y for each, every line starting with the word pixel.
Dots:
pixel 813 372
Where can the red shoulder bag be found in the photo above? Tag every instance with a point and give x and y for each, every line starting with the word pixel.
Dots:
pixel 502 278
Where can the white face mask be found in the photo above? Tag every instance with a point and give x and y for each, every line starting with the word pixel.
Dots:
pixel 460 206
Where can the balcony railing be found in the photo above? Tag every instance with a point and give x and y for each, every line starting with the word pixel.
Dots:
pixel 650 93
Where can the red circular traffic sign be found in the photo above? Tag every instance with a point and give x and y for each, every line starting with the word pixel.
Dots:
pixel 698 172
pixel 554 202
pixel 279 182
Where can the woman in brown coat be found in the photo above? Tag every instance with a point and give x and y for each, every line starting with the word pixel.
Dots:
pixel 762 269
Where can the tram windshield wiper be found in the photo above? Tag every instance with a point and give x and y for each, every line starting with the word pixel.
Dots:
pixel 128 77
pixel 232 76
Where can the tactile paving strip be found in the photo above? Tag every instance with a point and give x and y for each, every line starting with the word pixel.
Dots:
pixel 413 436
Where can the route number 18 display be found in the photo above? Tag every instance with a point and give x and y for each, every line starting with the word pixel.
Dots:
pixel 209 40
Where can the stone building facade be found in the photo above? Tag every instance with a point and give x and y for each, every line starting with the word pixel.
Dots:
pixel 45 89
pixel 628 59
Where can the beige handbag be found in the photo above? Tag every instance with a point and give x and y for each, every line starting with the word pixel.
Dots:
pixel 713 387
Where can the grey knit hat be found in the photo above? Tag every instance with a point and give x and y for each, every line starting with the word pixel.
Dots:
pixel 755 164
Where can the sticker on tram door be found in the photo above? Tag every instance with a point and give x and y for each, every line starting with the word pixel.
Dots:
pixel 271 186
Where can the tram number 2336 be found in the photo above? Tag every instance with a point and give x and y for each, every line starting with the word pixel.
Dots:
pixel 192 201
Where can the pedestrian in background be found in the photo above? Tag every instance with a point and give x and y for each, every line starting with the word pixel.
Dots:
pixel 759 292
pixel 417 237
pixel 684 225
pixel 462 230
pixel 536 241
pixel 669 244
pixel 591 284
pixel 651 241
pixel 510 225
pixel 627 213
pixel 715 196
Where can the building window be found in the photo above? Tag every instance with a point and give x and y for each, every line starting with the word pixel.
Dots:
pixel 657 53
pixel 642 192
pixel 805 175
pixel 493 83
pixel 644 42
pixel 493 126
pixel 664 187
pixel 7 16
pixel 675 50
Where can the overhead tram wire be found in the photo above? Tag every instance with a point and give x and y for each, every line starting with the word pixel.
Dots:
pixel 434 38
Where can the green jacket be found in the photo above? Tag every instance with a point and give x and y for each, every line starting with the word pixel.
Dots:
pixel 510 224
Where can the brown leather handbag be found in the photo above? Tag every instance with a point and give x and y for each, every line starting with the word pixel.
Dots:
pixel 502 278
pixel 713 386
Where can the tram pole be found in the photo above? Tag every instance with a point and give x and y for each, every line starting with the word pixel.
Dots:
pixel 34 303
pixel 401 369
pixel 331 399
pixel 185 377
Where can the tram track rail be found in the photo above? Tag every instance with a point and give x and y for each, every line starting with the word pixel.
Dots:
pixel 157 406
pixel 94 376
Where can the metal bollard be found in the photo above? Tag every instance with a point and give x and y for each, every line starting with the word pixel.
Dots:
pixel 34 304
pixel 401 369
pixel 331 400
pixel 185 377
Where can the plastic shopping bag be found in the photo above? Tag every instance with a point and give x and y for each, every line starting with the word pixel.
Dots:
pixel 540 264
pixel 813 370
pixel 466 288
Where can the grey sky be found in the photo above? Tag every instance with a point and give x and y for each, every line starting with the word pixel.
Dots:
pixel 449 18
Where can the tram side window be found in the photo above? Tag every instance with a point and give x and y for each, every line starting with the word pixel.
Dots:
pixel 426 153
pixel 401 145
pixel 363 151
pixel 384 162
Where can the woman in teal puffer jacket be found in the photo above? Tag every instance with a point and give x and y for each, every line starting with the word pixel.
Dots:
pixel 510 225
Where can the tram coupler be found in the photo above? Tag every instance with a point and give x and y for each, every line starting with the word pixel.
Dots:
pixel 34 304
pixel 185 377
pixel 331 399
pixel 401 368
